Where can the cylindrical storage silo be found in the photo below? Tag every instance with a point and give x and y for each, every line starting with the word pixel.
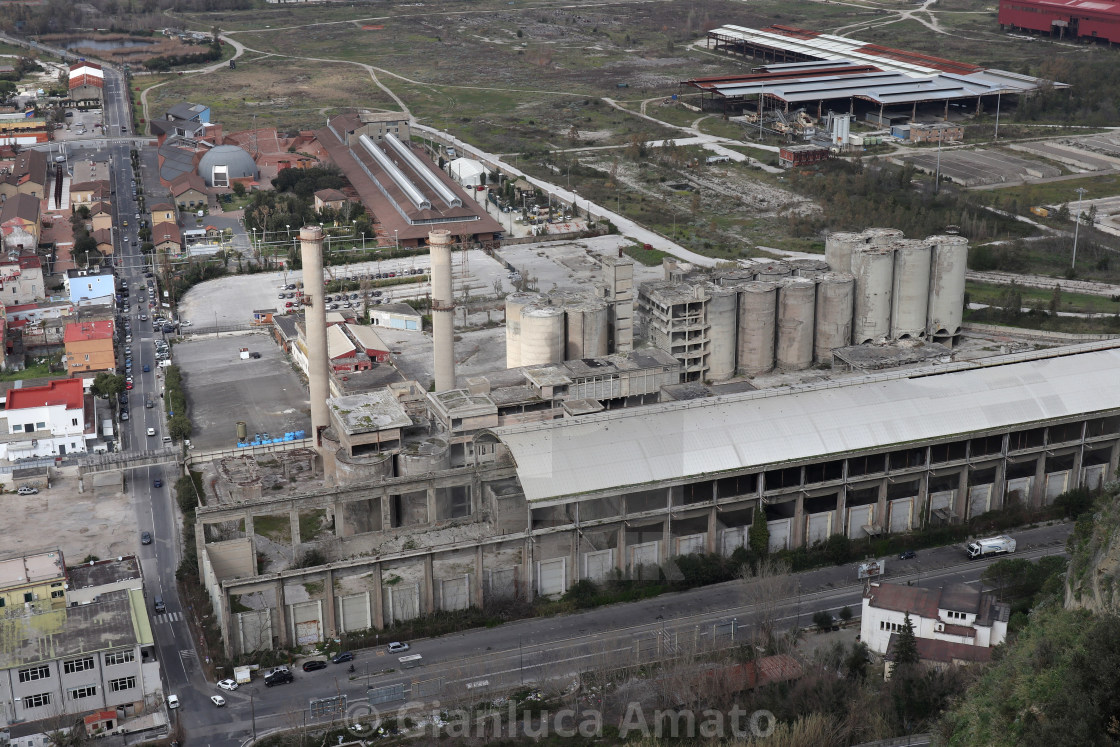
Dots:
pixel 242 430
pixel 542 334
pixel 772 270
pixel 758 322
pixel 515 302
pixel 910 295
pixel 723 312
pixel 418 458
pixel 873 267
pixel 948 264
pixel 835 296
pixel 797 310
pixel 734 277
pixel 882 236
pixel 838 248
pixel 588 328
pixel 807 268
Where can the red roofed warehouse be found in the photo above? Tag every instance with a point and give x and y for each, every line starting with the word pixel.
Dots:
pixel 46 420
pixel 86 83
pixel 1071 19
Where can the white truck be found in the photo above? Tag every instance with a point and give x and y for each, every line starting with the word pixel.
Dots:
pixel 982 548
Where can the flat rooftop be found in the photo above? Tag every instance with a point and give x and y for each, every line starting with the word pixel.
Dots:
pixel 104 572
pixel 33 568
pixel 460 403
pixel 369 412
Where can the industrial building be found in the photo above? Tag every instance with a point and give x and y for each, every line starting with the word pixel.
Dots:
pixel 405 192
pixel 1071 19
pixel 530 479
pixel 825 72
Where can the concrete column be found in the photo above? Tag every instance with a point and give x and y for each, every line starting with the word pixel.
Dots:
pixel 328 600
pixel 429 587
pixel 1113 461
pixel 339 518
pixel 881 507
pixel 528 566
pixel 840 519
pixel 1038 485
pixel 377 601
pixel 443 309
pixel 798 538
pixel 620 559
pixel 248 525
pixel 960 505
pixel 666 541
pixel 921 507
pixel 573 559
pixel 999 485
pixel 1075 470
pixel 479 587
pixel 386 512
pixel 311 254
pixel 282 615
pixel 432 513
pixel 293 520
pixel 713 529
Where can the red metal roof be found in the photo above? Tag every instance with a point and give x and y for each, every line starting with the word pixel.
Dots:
pixel 81 331
pixel 912 599
pixel 917 58
pixel 794 31
pixel 66 392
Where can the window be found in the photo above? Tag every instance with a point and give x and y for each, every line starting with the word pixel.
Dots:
pixel 74 421
pixel 119 657
pixel 34 701
pixel 58 594
pixel 40 426
pixel 40 672
pixel 3 601
pixel 83 692
pixel 17 428
pixel 124 683
pixel 28 596
pixel 78 665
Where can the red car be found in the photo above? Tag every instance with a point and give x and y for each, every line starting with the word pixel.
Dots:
pixel 289 305
pixel 128 385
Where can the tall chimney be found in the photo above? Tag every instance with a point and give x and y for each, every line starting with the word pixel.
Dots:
pixel 443 309
pixel 315 323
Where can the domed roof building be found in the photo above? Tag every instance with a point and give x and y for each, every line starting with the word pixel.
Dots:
pixel 221 165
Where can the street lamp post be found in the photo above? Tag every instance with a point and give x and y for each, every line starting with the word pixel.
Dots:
pixel 1076 225
pixel 396 239
pixel 937 171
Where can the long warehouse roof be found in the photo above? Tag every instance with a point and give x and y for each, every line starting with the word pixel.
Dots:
pixel 632 448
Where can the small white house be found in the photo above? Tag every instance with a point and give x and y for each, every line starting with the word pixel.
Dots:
pixel 958 613
pixel 467 171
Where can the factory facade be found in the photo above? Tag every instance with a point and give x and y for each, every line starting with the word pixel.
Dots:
pixel 441 505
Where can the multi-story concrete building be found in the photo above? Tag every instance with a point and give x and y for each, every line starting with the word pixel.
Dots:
pixel 21 281
pixel 958 613
pixel 676 319
pixel 89 347
pixel 452 517
pixel 46 421
pixel 32 582
pixel 89 285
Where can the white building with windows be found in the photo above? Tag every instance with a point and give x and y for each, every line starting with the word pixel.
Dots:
pixel 957 613
pixel 46 421
pixel 89 657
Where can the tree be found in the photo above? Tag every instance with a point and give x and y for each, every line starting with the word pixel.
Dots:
pixel 180 427
pixel 107 385
pixel 906 645
pixel 759 534
pixel 846 614
pixel 823 620
pixel 238 189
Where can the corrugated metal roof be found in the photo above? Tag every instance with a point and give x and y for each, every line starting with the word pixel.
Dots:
pixel 641 446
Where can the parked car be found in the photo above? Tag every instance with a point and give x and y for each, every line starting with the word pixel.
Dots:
pixel 907 555
pixel 151 431
pixel 145 538
pixel 279 678
pixel 314 664
pixel 343 657
pixel 157 483
pixel 218 700
pixel 396 647
pixel 172 701
pixel 228 684
pixel 27 490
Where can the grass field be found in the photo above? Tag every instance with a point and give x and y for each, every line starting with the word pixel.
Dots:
pixel 992 294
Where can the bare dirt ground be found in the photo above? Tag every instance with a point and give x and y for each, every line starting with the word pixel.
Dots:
pixel 100 521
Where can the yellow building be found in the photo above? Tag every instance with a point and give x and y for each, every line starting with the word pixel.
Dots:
pixel 32 582
pixel 89 346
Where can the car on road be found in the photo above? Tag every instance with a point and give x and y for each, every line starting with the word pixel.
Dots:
pixel 145 538
pixel 143 317
pixel 151 431
pixel 172 701
pixel 314 664
pixel 343 657
pixel 397 647
pixel 230 685
pixel 218 700
pixel 157 483
pixel 124 414
pixel 147 368
pixel 185 323
pixel 907 555
pixel 128 385
pixel 149 404
pixel 27 490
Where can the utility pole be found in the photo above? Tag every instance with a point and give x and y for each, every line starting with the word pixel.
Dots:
pixel 1077 224
pixel 937 174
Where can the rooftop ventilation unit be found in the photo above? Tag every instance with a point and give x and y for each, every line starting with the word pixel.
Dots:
pixel 415 196
pixel 422 171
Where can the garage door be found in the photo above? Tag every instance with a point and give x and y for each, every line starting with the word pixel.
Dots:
pixel 817 527
pixel 598 565
pixel 552 577
pixel 1019 490
pixel 902 513
pixel 305 619
pixel 692 544
pixel 979 500
pixel 502 582
pixel 255 630
pixel 455 593
pixel 354 612
pixel 1056 484
pixel 644 554
pixel 404 601
pixel 858 518
pixel 779 534
pixel 1092 477
pixel 732 539
pixel 941 504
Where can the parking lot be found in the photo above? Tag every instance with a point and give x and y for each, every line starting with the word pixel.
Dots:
pixel 222 389
pixel 986 166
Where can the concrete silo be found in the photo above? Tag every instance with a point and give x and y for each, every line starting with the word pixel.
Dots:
pixel 807 268
pixel 873 267
pixel 948 264
pixel 797 302
pixel 588 328
pixel 838 248
pixel 723 311
pixel 542 334
pixel 772 270
pixel 758 323
pixel 835 298
pixel 882 236
pixel 515 302
pixel 910 296
pixel 735 276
